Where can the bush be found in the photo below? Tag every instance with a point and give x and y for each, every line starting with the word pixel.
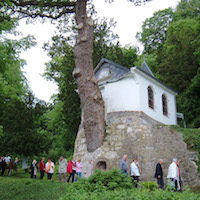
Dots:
pixel 111 179
pixel 127 194
pixel 19 186
pixel 149 185
pixel 108 180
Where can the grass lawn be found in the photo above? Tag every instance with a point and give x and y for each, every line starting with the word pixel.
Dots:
pixel 19 186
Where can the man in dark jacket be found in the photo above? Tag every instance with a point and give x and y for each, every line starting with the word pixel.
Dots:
pixel 3 165
pixel 159 174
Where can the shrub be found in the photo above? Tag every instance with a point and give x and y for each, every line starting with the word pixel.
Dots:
pixel 101 180
pixel 149 185
pixel 111 179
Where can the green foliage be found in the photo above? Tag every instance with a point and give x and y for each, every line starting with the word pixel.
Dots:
pixel 194 88
pixel 104 180
pixel 20 186
pixel 149 185
pixel 192 138
pixel 13 88
pixel 188 102
pixel 60 70
pixel 170 186
pixel 154 30
pixel 20 132
pixel 187 9
pixel 111 179
pixel 1 131
pixel 178 64
pixel 106 45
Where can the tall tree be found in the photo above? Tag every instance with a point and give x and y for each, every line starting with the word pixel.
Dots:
pixel 89 92
pixel 20 124
pixel 188 102
pixel 178 60
pixel 154 30
pixel 62 64
pixel 13 84
pixel 187 9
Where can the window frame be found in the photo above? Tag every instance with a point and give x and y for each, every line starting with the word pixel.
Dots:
pixel 164 105
pixel 150 97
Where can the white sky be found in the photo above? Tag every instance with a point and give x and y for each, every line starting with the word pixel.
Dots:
pixel 129 21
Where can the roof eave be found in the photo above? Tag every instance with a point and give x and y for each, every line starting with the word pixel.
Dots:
pixel 138 69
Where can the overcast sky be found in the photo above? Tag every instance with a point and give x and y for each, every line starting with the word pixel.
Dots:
pixel 129 21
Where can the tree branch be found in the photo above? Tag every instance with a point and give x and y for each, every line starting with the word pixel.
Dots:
pixel 32 8
pixel 42 15
pixel 23 3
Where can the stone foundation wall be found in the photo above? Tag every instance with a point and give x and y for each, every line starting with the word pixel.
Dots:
pixel 136 133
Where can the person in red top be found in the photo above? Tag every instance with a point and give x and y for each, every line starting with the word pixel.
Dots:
pixel 71 169
pixel 179 172
pixel 42 168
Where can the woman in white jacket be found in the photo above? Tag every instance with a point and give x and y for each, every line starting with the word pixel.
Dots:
pixel 135 174
pixel 173 173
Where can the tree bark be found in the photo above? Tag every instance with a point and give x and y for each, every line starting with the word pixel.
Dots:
pixel 90 95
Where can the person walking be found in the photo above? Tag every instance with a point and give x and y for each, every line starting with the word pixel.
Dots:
pixel 62 170
pixel 3 165
pixel 7 159
pixel 0 163
pixel 71 169
pixel 123 165
pixel 173 174
pixel 79 169
pixel 10 167
pixel 159 174
pixel 87 169
pixel 16 162
pixel 135 174
pixel 179 174
pixel 42 168
pixel 50 168
pixel 35 170
pixel 32 167
pixel 25 163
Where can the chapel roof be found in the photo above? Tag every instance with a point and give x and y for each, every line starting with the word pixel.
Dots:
pixel 146 68
pixel 118 72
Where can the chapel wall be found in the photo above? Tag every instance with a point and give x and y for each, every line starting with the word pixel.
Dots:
pixel 136 133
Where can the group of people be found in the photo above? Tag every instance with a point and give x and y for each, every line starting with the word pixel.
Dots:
pixel 7 163
pixel 173 176
pixel 73 168
pixel 135 172
pixel 79 169
pixel 76 169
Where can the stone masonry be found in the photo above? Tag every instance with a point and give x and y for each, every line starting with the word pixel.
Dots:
pixel 136 133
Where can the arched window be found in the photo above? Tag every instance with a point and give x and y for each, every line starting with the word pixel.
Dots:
pixel 164 105
pixel 150 98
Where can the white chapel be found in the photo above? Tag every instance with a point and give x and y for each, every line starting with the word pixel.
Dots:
pixel 138 111
pixel 135 89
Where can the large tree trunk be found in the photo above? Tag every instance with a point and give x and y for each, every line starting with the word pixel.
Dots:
pixel 90 95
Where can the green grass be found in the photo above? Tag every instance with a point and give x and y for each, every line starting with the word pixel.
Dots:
pixel 19 186
pixel 102 185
